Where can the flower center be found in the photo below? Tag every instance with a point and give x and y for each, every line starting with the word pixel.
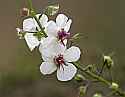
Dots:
pixel 62 35
pixel 59 60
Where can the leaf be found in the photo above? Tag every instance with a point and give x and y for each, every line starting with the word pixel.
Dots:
pixel 52 9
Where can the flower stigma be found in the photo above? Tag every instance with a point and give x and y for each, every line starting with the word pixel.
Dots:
pixel 59 60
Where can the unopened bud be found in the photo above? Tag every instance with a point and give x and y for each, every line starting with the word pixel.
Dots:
pixel 114 85
pixel 20 33
pixel 97 95
pixel 82 90
pixel 52 9
pixel 108 60
pixel 79 78
pixel 25 12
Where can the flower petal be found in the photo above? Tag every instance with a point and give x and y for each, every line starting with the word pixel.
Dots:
pixel 72 54
pixel 65 41
pixel 67 72
pixel 44 20
pixel 46 49
pixel 51 29
pixel 18 30
pixel 47 68
pixel 61 20
pixel 51 48
pixel 29 25
pixel 68 24
pixel 31 40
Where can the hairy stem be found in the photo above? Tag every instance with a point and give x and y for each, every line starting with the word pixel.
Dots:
pixel 100 79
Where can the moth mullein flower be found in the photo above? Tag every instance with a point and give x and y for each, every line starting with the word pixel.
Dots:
pixel 58 57
pixel 60 28
pixel 30 26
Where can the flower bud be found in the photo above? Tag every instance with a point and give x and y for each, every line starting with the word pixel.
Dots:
pixel 20 33
pixel 79 78
pixel 25 12
pixel 114 85
pixel 108 61
pixel 82 90
pixel 97 95
pixel 52 9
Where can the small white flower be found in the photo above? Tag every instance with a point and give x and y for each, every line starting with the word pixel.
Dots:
pixel 57 57
pixel 30 25
pixel 60 28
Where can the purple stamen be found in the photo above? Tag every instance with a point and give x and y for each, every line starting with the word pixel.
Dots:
pixel 62 35
pixel 59 60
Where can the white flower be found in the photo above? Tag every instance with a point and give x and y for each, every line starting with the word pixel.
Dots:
pixel 30 25
pixel 60 28
pixel 57 57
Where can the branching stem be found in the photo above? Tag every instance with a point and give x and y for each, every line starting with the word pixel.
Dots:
pixel 100 79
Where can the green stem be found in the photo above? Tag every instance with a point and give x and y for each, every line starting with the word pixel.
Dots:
pixel 30 4
pixel 101 79
pixel 33 14
pixel 38 22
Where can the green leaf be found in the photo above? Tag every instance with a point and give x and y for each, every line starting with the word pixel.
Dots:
pixel 52 9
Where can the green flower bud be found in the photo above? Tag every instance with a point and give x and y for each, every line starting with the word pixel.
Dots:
pixel 108 61
pixel 82 90
pixel 114 85
pixel 20 33
pixel 97 95
pixel 79 78
pixel 52 9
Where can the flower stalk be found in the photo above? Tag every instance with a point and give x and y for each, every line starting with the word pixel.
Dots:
pixel 100 79
pixel 33 14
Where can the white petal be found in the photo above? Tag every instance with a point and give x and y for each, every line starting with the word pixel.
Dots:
pixel 51 48
pixel 46 49
pixel 47 68
pixel 72 54
pixel 31 40
pixel 47 43
pixel 68 24
pixel 51 29
pixel 29 25
pixel 44 20
pixel 61 20
pixel 36 24
pixel 65 41
pixel 18 30
pixel 66 73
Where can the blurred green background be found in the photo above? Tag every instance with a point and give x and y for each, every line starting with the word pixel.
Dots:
pixel 101 22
